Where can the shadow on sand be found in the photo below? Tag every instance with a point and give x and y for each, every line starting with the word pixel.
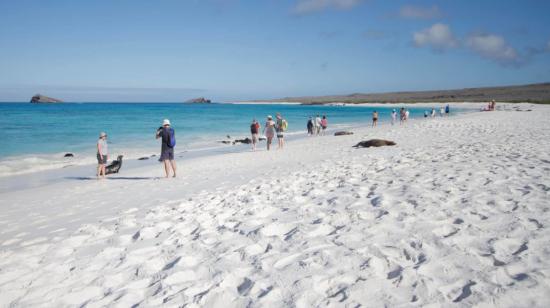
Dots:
pixel 134 178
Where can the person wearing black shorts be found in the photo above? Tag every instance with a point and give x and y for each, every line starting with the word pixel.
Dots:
pixel 167 150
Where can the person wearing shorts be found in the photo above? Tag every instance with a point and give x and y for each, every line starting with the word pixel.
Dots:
pixel 280 131
pixel 269 131
pixel 102 155
pixel 324 124
pixel 166 150
pixel 255 131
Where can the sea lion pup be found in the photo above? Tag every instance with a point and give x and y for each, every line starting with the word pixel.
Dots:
pixel 114 167
pixel 374 143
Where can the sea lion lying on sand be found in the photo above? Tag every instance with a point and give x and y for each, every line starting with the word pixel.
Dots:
pixel 114 167
pixel 374 143
pixel 343 133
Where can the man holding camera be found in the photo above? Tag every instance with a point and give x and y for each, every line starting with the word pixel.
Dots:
pixel 166 132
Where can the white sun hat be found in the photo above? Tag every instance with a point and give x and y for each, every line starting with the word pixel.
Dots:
pixel 102 134
pixel 165 122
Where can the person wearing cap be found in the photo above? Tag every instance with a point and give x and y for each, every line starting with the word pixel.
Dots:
pixel 166 132
pixel 102 154
pixel 269 131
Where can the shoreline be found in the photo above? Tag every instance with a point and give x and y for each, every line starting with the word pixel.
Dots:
pixel 28 164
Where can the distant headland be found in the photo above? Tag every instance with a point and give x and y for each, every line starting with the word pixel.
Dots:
pixel 198 100
pixel 532 93
pixel 42 99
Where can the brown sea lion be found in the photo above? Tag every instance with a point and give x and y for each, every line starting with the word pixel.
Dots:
pixel 374 143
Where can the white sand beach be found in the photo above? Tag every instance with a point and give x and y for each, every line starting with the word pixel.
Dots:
pixel 456 214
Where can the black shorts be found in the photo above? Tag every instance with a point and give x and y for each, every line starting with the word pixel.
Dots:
pixel 101 159
pixel 166 153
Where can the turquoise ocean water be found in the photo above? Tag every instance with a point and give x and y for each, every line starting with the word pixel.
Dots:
pixel 35 136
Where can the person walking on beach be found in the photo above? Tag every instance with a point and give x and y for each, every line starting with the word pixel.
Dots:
pixel 280 128
pixel 102 155
pixel 310 127
pixel 433 112
pixel 442 111
pixel 402 116
pixel 255 131
pixel 407 113
pixel 168 138
pixel 374 118
pixel 269 131
pixel 447 110
pixel 318 125
pixel 324 124
pixel 393 117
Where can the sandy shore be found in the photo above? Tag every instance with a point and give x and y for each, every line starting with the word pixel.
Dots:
pixel 455 214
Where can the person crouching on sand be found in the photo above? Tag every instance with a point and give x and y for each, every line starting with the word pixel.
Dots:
pixel 255 131
pixel 168 135
pixel 269 131
pixel 102 155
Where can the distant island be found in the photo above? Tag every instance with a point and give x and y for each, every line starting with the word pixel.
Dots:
pixel 533 93
pixel 199 100
pixel 42 99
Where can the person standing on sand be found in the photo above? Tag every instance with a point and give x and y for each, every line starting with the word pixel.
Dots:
pixel 255 131
pixel 447 110
pixel 393 117
pixel 280 127
pixel 433 112
pixel 324 124
pixel 374 118
pixel 442 111
pixel 269 131
pixel 402 116
pixel 168 135
pixel 407 113
pixel 102 155
pixel 310 127
pixel 318 125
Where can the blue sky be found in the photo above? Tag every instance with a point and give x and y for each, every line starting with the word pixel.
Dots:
pixel 173 50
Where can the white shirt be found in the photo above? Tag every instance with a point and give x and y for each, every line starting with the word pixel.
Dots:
pixel 102 144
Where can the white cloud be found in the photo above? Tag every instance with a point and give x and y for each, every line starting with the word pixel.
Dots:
pixel 417 12
pixel 439 37
pixel 310 6
pixel 493 47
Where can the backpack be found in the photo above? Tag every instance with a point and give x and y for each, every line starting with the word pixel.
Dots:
pixel 284 125
pixel 170 140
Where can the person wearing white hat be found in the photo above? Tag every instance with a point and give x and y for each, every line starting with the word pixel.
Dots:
pixel 168 135
pixel 102 154
pixel 269 131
